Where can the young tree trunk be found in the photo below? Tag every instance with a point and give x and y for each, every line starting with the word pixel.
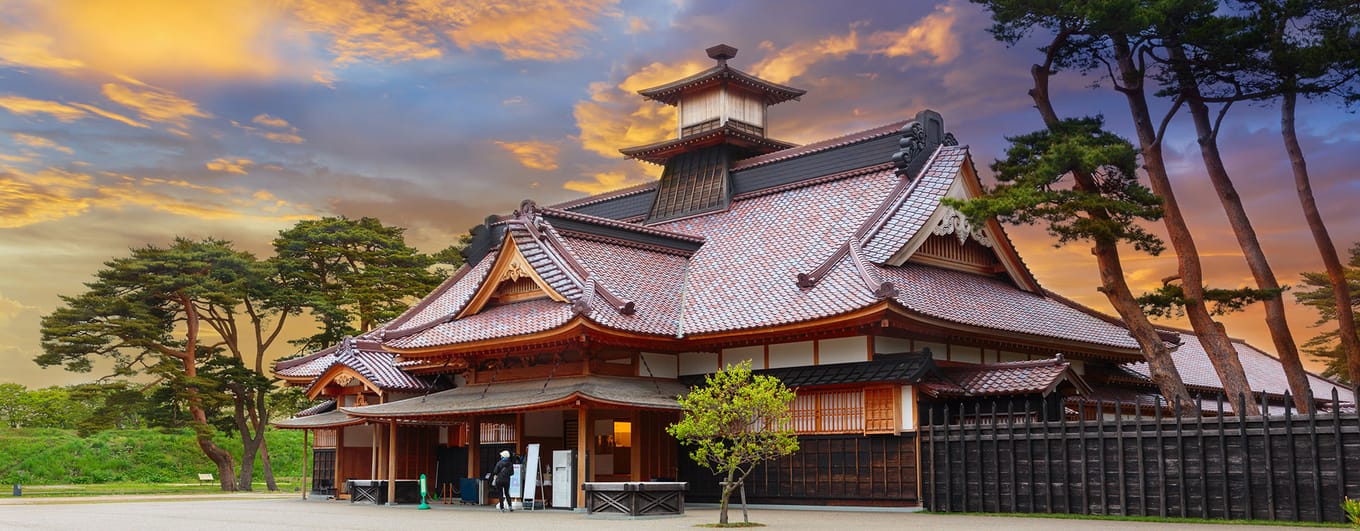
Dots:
pixel 1211 336
pixel 269 482
pixel 726 494
pixel 1246 239
pixel 1336 273
pixel 1161 366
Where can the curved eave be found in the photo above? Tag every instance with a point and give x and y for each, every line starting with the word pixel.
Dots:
pixel 670 93
pixel 570 400
pixel 1100 350
pixel 573 330
pixel 328 420
pixel 660 152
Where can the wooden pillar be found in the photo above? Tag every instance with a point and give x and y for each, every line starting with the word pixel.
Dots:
pixel 339 450
pixel 306 460
pixel 375 432
pixel 635 446
pixel 584 434
pixel 392 463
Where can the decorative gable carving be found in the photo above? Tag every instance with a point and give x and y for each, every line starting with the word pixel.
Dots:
pixel 511 279
pixel 954 222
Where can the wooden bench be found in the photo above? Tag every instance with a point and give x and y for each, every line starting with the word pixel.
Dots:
pixel 202 478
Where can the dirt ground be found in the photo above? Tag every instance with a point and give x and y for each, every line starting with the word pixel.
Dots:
pixel 265 511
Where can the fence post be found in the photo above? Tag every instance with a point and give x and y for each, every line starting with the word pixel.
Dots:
pixel 1270 457
pixel 1161 456
pixel 930 433
pixel 1293 459
pixel 1119 441
pixel 1142 462
pixel 1085 479
pixel 1048 458
pixel 1180 455
pixel 1223 458
pixel 1010 432
pixel 963 455
pixel 1240 411
pixel 1100 465
pixel 948 465
pixel 1029 454
pixel 1203 459
pixel 1340 448
pixel 1066 464
pixel 1317 463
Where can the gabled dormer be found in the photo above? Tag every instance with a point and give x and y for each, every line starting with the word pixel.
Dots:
pixel 722 118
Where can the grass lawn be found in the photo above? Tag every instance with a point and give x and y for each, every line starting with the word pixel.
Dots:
pixel 105 489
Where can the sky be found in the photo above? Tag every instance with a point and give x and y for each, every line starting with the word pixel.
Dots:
pixel 129 123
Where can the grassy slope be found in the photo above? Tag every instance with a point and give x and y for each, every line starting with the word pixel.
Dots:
pixel 54 457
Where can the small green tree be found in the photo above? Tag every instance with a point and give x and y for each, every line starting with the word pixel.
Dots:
pixel 735 421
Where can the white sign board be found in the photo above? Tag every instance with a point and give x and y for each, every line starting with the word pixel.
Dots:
pixel 530 474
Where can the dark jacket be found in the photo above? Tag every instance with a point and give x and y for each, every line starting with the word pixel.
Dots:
pixel 504 469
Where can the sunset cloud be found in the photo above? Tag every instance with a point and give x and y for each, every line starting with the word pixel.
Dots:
pixel 615 116
pixel 110 115
pixel 32 50
pixel 533 154
pixel 544 30
pixel 155 104
pixel 933 35
pixel 157 39
pixel 52 194
pixel 604 182
pixel 275 129
pixel 32 107
pixel 788 63
pixel 39 142
pixel 225 165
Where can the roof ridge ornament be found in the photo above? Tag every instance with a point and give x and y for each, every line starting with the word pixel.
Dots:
pixel 721 53
pixel 910 146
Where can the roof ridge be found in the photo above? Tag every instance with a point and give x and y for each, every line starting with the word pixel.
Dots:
pixel 608 222
pixel 819 146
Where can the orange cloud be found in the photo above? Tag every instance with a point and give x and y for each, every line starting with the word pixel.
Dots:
pixel 155 104
pixel 932 35
pixel 29 106
pixel 529 29
pixel 225 165
pixel 604 182
pixel 31 49
pixel 792 61
pixel 110 115
pixel 284 132
pixel 533 154
pixel 615 116
pixel 52 194
pixel 161 38
pixel 39 142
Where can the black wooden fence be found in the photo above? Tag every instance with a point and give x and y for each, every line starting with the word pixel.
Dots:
pixel 1285 466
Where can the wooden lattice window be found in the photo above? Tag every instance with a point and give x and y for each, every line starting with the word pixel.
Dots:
pixel 324 439
pixel 498 432
pixel 845 411
pixel 880 410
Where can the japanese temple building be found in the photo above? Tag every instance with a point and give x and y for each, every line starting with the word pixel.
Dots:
pixel 832 266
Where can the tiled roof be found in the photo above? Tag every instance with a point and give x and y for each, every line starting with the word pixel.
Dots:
pixel 669 93
pixel 512 396
pixel 330 419
pixel 377 366
pixel 993 303
pixel 502 321
pixel 915 206
pixel 1010 378
pixel 1264 372
pixel 901 369
pixel 448 299
pixel 324 406
pixel 309 366
pixel 823 145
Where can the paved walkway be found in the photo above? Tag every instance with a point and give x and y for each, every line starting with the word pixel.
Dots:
pixel 253 511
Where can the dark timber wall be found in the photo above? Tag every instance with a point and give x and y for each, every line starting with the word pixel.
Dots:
pixel 1285 466
pixel 827 470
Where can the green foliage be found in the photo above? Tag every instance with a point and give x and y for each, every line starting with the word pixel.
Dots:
pixel 53 456
pixel 352 274
pixel 734 422
pixel 1078 179
pixel 1326 346
pixel 1170 300
pixel 1352 508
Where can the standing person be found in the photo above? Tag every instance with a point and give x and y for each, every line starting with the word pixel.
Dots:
pixel 500 479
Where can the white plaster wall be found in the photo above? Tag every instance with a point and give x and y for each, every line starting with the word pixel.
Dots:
pixel 908 409
pixel 939 351
pixel 1013 356
pixel 965 354
pixel 891 345
pixel 1078 366
pixel 791 354
pixel 842 350
pixel 662 365
pixel 733 356
pixel 698 362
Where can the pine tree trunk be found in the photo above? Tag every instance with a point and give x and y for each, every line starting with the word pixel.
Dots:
pixel 1246 239
pixel 1336 273
pixel 1213 338
pixel 269 482
pixel 226 469
pixel 1161 366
